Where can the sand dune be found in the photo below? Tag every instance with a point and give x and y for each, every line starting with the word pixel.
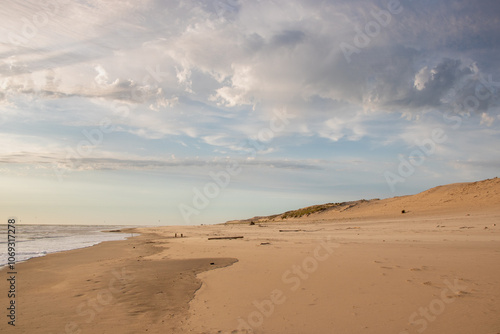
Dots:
pixel 453 199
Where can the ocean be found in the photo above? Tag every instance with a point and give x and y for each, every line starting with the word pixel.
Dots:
pixel 39 240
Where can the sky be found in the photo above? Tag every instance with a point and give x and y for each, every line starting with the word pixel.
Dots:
pixel 189 112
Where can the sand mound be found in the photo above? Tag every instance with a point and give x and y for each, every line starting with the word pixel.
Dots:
pixel 456 199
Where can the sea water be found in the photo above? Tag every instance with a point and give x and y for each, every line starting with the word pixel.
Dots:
pixel 39 240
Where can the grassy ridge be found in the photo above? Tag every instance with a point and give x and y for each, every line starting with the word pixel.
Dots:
pixel 308 210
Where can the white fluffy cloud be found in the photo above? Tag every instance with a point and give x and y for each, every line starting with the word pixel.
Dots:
pixel 201 69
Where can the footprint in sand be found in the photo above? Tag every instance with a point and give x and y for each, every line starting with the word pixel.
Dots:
pixel 422 268
pixel 462 294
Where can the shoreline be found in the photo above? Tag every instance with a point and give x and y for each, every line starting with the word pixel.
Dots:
pixel 90 243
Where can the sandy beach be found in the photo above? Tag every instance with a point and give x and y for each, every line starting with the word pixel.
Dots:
pixel 368 269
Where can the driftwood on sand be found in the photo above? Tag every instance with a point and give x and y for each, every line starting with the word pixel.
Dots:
pixel 227 238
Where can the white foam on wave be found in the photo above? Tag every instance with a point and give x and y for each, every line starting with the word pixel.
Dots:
pixel 39 240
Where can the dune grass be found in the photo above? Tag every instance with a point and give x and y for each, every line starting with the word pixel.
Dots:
pixel 308 210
